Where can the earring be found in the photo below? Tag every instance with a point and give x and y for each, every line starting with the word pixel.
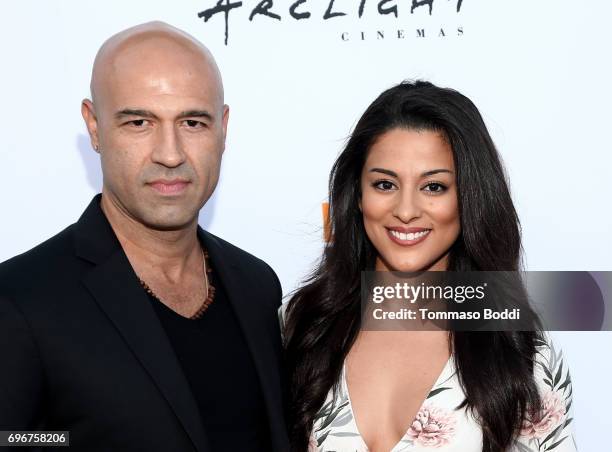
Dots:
pixel 96 147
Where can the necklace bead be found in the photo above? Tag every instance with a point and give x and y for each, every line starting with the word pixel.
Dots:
pixel 210 296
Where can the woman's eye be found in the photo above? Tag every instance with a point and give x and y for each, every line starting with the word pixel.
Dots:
pixel 434 187
pixel 384 185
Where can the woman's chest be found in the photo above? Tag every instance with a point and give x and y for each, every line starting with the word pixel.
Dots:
pixel 438 423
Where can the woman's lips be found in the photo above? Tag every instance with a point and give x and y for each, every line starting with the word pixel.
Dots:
pixel 173 187
pixel 408 237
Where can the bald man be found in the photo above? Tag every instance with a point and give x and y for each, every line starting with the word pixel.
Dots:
pixel 134 329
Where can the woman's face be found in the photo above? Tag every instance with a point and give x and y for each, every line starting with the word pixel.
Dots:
pixel 409 200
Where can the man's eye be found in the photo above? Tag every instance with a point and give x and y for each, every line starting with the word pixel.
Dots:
pixel 193 124
pixel 137 122
pixel 384 185
pixel 434 187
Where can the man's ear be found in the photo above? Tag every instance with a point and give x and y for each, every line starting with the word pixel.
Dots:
pixel 91 122
pixel 224 121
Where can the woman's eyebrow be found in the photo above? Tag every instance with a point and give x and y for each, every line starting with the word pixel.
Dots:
pixel 436 171
pixel 425 174
pixel 384 171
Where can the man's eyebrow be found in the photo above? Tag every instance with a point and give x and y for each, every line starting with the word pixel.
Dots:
pixel 148 114
pixel 196 114
pixel 134 112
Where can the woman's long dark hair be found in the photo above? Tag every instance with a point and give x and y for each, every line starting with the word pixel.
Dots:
pixel 495 369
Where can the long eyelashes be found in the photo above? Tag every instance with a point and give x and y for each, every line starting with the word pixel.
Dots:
pixel 435 187
pixel 432 188
pixel 383 185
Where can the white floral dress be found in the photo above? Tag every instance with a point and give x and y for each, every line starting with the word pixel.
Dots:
pixel 441 427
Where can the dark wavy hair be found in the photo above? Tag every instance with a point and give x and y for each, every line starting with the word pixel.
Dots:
pixel 495 369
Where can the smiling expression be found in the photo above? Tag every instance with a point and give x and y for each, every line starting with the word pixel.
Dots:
pixel 409 200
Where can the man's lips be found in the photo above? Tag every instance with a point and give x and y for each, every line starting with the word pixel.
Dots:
pixel 169 187
pixel 407 236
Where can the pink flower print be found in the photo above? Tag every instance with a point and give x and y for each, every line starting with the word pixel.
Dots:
pixel 553 410
pixel 432 427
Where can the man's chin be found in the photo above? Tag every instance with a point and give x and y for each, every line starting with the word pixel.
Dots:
pixel 170 222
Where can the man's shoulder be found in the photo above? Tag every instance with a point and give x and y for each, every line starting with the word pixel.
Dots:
pixel 43 259
pixel 234 253
pixel 257 276
pixel 238 257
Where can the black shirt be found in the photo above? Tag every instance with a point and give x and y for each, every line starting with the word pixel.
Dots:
pixel 220 370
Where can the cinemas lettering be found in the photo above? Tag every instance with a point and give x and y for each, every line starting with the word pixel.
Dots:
pixel 329 10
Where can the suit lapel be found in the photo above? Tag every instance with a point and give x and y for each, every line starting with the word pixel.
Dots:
pixel 114 286
pixel 239 285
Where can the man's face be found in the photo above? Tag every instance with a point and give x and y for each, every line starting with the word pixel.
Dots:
pixel 160 126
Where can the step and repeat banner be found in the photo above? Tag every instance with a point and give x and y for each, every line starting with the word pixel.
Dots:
pixel 297 75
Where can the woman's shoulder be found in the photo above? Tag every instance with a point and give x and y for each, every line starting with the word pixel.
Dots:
pixel 549 358
pixel 551 428
pixel 551 370
pixel 282 315
pixel 282 318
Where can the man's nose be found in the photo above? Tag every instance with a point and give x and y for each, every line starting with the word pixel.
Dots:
pixel 168 149
pixel 407 206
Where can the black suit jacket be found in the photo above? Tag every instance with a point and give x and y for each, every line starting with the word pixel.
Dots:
pixel 82 349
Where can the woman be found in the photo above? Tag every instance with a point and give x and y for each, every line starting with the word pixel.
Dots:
pixel 419 186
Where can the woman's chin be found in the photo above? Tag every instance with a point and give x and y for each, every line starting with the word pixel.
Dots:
pixel 411 267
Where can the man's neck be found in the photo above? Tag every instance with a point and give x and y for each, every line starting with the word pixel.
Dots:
pixel 167 254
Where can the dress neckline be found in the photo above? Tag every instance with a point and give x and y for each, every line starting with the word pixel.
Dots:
pixel 445 370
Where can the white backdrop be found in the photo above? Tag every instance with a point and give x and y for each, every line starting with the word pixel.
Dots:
pixel 539 72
